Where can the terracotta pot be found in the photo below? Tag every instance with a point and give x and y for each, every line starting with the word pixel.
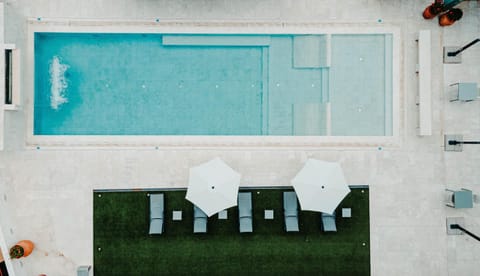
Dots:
pixel 444 20
pixel 27 247
pixel 432 11
pixel 450 17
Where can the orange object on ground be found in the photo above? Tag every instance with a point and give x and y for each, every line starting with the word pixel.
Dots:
pixel 27 247
pixel 450 17
pixel 431 11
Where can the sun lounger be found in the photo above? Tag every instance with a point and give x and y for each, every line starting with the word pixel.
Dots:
pixel 290 211
pixel 245 212
pixel 156 214
pixel 199 220
pixel 328 222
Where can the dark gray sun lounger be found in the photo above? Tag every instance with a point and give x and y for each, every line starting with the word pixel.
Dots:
pixel 199 220
pixel 245 212
pixel 156 214
pixel 290 211
pixel 328 222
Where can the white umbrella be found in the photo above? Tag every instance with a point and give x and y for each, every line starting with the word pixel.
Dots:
pixel 213 186
pixel 320 186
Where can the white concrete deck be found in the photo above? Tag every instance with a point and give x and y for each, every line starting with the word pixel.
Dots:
pixel 46 195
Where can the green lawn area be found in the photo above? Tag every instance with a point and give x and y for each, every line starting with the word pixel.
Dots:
pixel 122 245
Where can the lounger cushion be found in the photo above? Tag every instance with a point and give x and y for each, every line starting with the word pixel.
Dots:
pixel 245 213
pixel 156 212
pixel 246 225
pixel 200 225
pixel 291 213
pixel 198 213
pixel 156 226
pixel 328 222
pixel 291 224
pixel 289 200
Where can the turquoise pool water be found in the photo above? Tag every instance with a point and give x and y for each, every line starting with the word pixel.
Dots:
pixel 154 84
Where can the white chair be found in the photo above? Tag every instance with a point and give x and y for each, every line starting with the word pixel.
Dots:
pixel 84 270
pixel 464 91
pixel 462 198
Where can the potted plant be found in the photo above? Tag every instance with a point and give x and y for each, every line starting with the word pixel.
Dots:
pixel 23 248
pixel 433 10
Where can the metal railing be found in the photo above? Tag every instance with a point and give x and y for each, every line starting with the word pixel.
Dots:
pixel 452 54
pixel 456 226
pixel 455 142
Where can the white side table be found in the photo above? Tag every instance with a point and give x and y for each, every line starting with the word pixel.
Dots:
pixel 346 212
pixel 177 215
pixel 223 214
pixel 268 214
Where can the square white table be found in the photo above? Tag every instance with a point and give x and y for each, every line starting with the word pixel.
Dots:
pixel 268 214
pixel 346 212
pixel 223 214
pixel 177 215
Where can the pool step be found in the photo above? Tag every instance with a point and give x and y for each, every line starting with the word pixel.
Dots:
pixel 216 40
pixel 311 51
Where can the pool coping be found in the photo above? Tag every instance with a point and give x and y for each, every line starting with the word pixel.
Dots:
pixel 246 188
pixel 203 141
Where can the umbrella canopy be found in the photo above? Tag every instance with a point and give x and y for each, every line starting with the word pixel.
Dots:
pixel 213 186
pixel 320 186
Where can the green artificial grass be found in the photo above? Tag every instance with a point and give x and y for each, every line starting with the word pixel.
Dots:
pixel 122 245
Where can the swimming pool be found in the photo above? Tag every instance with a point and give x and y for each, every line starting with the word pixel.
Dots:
pixel 206 84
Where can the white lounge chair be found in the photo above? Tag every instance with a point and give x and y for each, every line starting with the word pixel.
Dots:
pixel 199 220
pixel 245 212
pixel 156 214
pixel 84 270
pixel 290 208
pixel 328 222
